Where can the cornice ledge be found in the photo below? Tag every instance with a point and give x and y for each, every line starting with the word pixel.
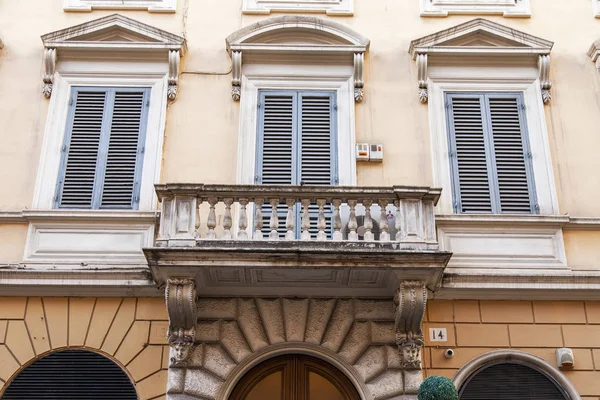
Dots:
pixel 502 219
pixel 591 223
pixel 594 52
pixel 89 216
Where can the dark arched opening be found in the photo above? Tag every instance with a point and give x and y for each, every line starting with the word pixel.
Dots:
pixel 71 375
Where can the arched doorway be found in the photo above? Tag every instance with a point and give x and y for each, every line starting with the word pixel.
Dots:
pixel 294 377
pixel 71 375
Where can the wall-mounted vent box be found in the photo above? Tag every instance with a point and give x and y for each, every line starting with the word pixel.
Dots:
pixel 369 152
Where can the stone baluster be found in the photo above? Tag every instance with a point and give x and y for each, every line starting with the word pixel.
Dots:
pixel 384 236
pixel 321 222
pixel 211 222
pixel 227 220
pixel 305 220
pixel 274 224
pixel 399 233
pixel 243 220
pixel 352 223
pixel 368 221
pixel 337 220
pixel 290 220
pixel 197 221
pixel 258 219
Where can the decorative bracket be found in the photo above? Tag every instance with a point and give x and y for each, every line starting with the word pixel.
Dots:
pixel 181 299
pixel 544 67
pixel 174 58
pixel 422 76
pixel 49 68
pixel 236 79
pixel 410 299
pixel 359 83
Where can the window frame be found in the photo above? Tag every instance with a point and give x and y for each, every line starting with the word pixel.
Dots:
pixel 56 125
pixel 464 80
pixel 89 5
pixel 101 161
pixel 489 150
pixel 443 8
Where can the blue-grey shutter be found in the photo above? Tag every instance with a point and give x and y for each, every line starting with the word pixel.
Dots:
pixel 125 150
pixel 103 150
pixel 490 155
pixel 468 154
pixel 514 173
pixel 296 144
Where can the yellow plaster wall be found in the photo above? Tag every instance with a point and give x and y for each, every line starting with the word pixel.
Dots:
pixel 129 331
pixel 536 327
pixel 583 250
pixel 12 242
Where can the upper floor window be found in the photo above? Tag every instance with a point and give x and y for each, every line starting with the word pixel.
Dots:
pixel 150 5
pixel 507 8
pixel 489 153
pixel 331 7
pixel 103 150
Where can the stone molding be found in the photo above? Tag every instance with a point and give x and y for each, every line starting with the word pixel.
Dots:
pixel 107 35
pixel 231 331
pixel 339 7
pixel 181 298
pixel 268 39
pixel 481 38
pixel 410 300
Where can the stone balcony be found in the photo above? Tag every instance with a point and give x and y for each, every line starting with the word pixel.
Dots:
pixel 297 240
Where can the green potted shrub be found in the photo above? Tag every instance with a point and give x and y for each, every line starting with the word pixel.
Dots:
pixel 437 388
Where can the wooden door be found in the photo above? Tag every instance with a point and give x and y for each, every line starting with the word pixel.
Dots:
pixel 294 377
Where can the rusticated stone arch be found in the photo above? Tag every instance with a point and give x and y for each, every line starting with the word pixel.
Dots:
pixel 235 332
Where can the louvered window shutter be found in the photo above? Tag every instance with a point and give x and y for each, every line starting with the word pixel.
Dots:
pixel 296 144
pixel 490 156
pixel 103 151
pixel 510 381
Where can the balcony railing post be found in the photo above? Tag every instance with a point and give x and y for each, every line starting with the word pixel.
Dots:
pixel 290 219
pixel 227 220
pixel 305 220
pixel 321 222
pixel 274 223
pixel 352 223
pixel 337 220
pixel 384 236
pixel 368 222
pixel 211 221
pixel 258 219
pixel 183 221
pixel 243 220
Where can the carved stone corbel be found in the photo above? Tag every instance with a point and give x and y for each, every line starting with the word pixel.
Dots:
pixel 544 67
pixel 174 58
pixel 49 68
pixel 236 79
pixel 181 301
pixel 422 77
pixel 359 83
pixel 410 299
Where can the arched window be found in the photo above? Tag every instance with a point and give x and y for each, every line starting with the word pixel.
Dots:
pixel 71 375
pixel 294 377
pixel 500 375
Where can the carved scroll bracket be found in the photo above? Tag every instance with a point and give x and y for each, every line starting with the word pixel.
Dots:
pixel 181 306
pixel 236 79
pixel 544 67
pixel 410 299
pixel 422 76
pixel 174 58
pixel 49 68
pixel 359 83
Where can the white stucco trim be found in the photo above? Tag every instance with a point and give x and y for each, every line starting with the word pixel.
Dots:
pixel 502 356
pixel 506 8
pixel 294 348
pixel 150 5
pixel 464 79
pixel 596 8
pixel 94 73
pixel 333 7
pixel 306 77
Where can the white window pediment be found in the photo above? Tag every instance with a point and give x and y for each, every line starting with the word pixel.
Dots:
pixel 507 8
pixel 331 7
pixel 482 40
pixel 150 5
pixel 296 38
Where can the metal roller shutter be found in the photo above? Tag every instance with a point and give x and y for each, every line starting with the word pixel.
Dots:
pixel 71 375
pixel 510 381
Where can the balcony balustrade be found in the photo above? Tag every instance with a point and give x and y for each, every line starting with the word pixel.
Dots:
pixel 400 216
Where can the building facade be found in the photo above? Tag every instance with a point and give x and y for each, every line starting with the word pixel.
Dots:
pixel 299 199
